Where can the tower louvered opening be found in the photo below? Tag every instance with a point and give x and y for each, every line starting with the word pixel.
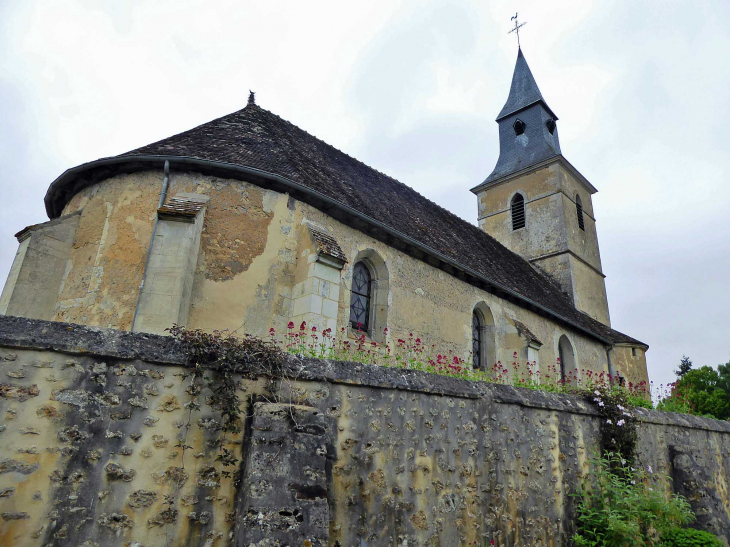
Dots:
pixel 519 127
pixel 518 212
pixel 579 212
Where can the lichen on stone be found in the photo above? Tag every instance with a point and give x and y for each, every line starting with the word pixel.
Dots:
pixel 142 498
pixel 115 521
pixel 115 472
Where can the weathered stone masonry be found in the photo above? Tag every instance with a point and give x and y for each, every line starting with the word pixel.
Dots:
pixel 343 454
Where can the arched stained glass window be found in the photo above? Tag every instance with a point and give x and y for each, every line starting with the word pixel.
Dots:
pixel 360 297
pixel 518 212
pixel 476 340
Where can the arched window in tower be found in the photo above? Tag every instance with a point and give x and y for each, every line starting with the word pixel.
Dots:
pixel 567 359
pixel 579 211
pixel 360 297
pixel 476 340
pixel 518 212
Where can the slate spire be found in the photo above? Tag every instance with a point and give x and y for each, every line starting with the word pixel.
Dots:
pixel 524 91
pixel 528 133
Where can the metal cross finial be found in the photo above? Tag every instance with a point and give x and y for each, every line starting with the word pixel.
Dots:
pixel 516 29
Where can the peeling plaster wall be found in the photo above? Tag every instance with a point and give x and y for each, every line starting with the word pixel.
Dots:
pixel 346 455
pixel 253 243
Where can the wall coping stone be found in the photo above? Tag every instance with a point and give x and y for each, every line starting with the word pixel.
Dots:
pixel 36 334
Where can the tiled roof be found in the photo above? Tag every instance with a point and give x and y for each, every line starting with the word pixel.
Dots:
pixel 326 244
pixel 256 138
pixel 181 206
pixel 526 332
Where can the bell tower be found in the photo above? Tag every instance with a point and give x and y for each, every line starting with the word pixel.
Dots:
pixel 537 204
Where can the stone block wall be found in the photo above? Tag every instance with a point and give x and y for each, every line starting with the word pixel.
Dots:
pixel 101 447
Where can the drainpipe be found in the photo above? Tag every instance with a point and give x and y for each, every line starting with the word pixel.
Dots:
pixel 608 359
pixel 163 195
pixel 614 374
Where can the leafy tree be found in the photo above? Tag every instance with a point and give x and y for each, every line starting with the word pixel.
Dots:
pixel 685 365
pixel 705 391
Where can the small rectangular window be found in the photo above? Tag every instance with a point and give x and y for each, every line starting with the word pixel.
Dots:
pixel 633 352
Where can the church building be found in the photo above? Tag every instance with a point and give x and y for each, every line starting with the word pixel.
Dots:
pixel 249 223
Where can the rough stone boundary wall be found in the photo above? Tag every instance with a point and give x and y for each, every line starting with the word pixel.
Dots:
pixel 345 454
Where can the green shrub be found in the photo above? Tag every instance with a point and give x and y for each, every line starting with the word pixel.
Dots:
pixel 623 509
pixel 640 400
pixel 675 404
pixel 689 537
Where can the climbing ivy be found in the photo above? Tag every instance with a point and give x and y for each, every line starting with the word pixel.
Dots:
pixel 225 355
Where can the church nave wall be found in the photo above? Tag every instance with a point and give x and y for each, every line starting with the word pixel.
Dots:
pixel 258 268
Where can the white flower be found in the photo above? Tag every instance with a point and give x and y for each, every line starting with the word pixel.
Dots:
pixel 600 404
pixel 609 422
pixel 620 423
pixel 597 393
pixel 623 462
pixel 649 468
pixel 633 482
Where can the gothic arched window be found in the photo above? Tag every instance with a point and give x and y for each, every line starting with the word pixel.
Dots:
pixel 518 212
pixel 476 340
pixel 360 297
pixel 579 212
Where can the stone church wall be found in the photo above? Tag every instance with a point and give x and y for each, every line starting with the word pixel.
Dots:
pixel 552 238
pixel 253 273
pixel 94 421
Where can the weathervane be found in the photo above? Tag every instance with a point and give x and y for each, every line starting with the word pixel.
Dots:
pixel 516 29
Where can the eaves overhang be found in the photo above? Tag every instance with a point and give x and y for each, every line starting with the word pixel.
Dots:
pixel 75 179
pixel 534 167
pixel 525 107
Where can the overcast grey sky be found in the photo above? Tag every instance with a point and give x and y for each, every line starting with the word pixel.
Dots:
pixel 412 89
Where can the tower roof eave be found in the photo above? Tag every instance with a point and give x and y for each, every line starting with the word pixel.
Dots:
pixel 535 166
pixel 503 114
